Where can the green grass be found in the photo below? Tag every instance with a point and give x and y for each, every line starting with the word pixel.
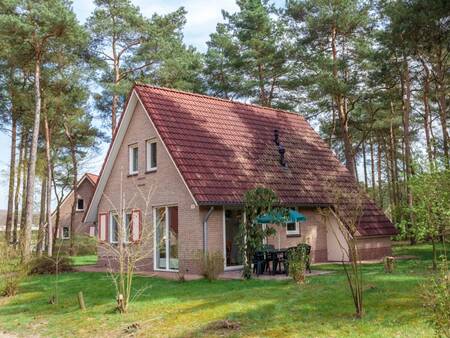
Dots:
pixel 84 260
pixel 322 307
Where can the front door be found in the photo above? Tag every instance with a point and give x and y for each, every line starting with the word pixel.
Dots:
pixel 232 220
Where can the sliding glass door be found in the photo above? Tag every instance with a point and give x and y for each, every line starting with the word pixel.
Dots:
pixel 166 238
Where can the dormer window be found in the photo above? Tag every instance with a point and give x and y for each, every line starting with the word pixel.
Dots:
pixel 80 204
pixel 151 155
pixel 133 159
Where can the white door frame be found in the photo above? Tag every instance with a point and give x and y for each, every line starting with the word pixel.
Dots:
pixel 166 230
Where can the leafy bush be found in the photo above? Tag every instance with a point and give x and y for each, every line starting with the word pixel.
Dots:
pixel 83 246
pixel 12 270
pixel 212 264
pixel 436 295
pixel 297 264
pixel 48 265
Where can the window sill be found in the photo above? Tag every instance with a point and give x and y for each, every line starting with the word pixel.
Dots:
pixel 164 270
pixel 132 174
pixel 293 235
pixel 149 171
pixel 79 210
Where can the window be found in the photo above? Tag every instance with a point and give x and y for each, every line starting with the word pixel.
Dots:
pixel 80 204
pixel 133 159
pixel 65 232
pixel 166 238
pixel 151 155
pixel 113 228
pixel 292 228
pixel 128 225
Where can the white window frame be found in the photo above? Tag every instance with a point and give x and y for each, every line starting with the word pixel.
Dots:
pixel 110 230
pixel 131 159
pixel 79 198
pixel 295 232
pixel 148 155
pixel 166 230
pixel 62 232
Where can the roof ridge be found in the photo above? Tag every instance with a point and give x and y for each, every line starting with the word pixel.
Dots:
pixel 216 98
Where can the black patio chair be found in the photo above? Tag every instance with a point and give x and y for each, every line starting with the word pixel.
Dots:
pixel 279 260
pixel 267 249
pixel 259 263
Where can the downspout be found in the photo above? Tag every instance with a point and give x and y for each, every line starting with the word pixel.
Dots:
pixel 205 230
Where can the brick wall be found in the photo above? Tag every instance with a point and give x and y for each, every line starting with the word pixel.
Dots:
pixel 163 187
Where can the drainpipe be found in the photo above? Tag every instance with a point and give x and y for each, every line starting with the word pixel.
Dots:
pixel 205 229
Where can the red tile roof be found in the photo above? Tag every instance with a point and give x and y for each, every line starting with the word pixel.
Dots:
pixel 223 148
pixel 92 177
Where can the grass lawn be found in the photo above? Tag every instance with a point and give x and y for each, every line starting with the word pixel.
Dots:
pixel 84 260
pixel 322 307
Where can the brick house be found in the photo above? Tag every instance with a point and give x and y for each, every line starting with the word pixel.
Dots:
pixel 193 157
pixel 86 188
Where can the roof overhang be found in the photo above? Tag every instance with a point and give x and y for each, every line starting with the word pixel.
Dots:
pixel 119 134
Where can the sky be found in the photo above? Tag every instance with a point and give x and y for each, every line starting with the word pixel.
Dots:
pixel 202 17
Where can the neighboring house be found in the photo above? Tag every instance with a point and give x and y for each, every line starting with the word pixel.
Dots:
pixel 34 226
pixel 86 188
pixel 194 156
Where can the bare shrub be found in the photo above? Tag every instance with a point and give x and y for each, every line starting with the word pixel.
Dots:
pixel 50 265
pixel 82 245
pixel 347 204
pixel 436 296
pixel 297 264
pixel 211 264
pixel 12 270
pixel 125 256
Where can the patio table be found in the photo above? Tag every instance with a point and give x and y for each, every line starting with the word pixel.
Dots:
pixel 277 257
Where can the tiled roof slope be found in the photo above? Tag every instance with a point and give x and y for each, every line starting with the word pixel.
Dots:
pixel 92 177
pixel 223 148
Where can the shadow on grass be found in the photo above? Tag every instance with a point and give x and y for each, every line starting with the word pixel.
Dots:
pixel 276 308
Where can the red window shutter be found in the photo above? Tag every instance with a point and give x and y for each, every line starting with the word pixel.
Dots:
pixel 102 227
pixel 136 225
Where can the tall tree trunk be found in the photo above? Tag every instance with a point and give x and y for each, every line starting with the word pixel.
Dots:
pixel 26 234
pixel 41 231
pixel 75 194
pixel 372 166
pixel 49 188
pixel 442 93
pixel 342 112
pixel 389 180
pixel 20 172
pixel 58 201
pixel 393 162
pixel 12 175
pixel 427 113
pixel 364 165
pixel 115 98
pixel 406 106
pixel 380 183
pixel 73 155
pixel 26 157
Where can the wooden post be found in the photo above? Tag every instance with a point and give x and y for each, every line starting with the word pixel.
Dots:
pixel 389 264
pixel 81 301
